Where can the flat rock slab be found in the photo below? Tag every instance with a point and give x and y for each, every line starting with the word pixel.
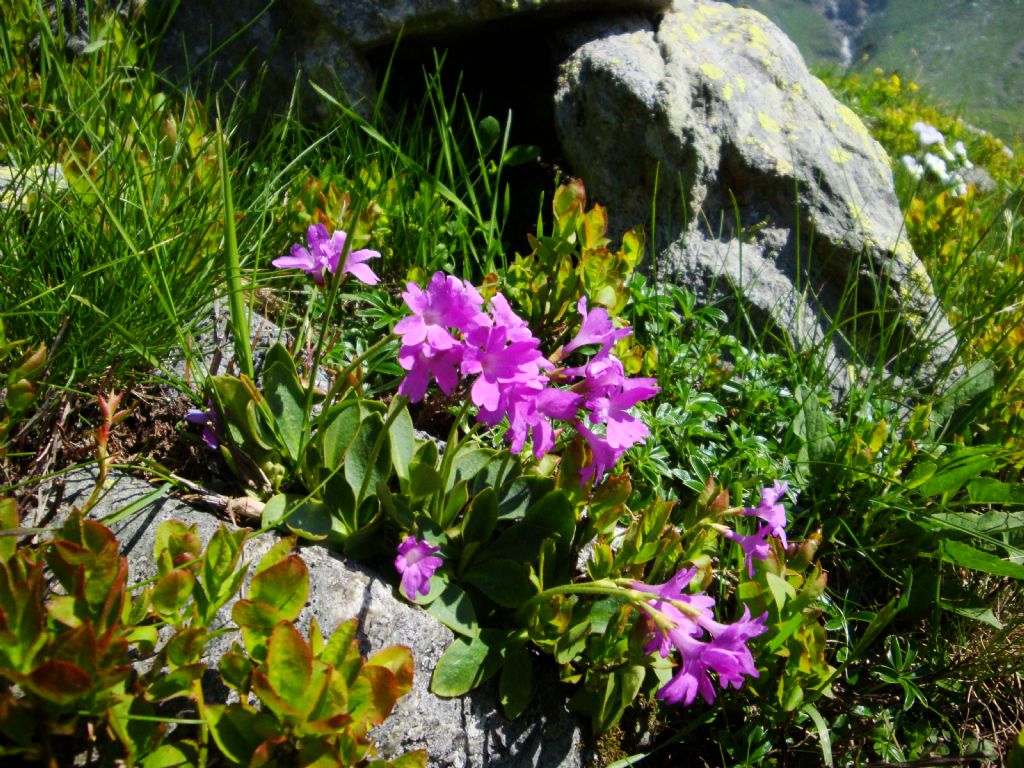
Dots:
pixel 457 733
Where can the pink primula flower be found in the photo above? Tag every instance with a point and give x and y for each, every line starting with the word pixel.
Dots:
pixel 446 303
pixel 704 645
pixel 323 253
pixel 756 546
pixel 596 328
pixel 497 364
pixel 416 563
pixel 623 430
pixel 423 364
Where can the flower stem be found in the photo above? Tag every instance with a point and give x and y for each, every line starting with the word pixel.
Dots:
pixel 340 382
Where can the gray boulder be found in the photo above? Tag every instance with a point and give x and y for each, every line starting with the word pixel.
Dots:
pixel 327 41
pixel 768 189
pixel 467 731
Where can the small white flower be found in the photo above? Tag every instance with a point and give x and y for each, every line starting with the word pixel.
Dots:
pixel 913 167
pixel 927 134
pixel 948 156
pixel 937 166
pixel 960 149
pixel 960 190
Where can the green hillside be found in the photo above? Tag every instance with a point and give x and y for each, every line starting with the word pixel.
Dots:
pixel 969 54
pixel 965 53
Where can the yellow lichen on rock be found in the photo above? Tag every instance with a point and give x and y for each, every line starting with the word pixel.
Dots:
pixel 768 123
pixel 712 71
pixel 840 156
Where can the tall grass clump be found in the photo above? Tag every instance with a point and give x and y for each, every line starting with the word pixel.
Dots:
pixel 110 219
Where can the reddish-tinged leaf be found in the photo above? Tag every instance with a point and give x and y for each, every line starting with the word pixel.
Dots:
pixel 398 659
pixel 187 646
pixel 222 556
pixel 372 698
pixel 176 543
pixel 171 593
pixel 289 665
pixel 284 585
pixel 59 681
pixel 236 670
pixel 342 651
pixel 276 554
pixel 282 709
pixel 98 538
pixel 8 519
pixel 417 759
pixel 235 730
pixel 178 682
pixel 318 753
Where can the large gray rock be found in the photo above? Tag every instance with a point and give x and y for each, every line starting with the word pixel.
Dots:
pixel 768 188
pixel 327 40
pixel 468 731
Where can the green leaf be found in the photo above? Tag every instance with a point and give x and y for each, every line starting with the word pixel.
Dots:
pixel 182 755
pixel 468 662
pixel 823 733
pixel 781 589
pixel 966 556
pixel 403 443
pixel 284 585
pixel 988 490
pixel 622 686
pixel 136 506
pixel 235 669
pixel 874 628
pixel 506 582
pixel 811 425
pixel 424 480
pixel 8 521
pixel 978 524
pixel 555 512
pixel 481 517
pixel 235 731
pixel 453 608
pixel 339 433
pixel 311 520
pixel 470 463
pixel 982 613
pixel 186 647
pixel 958 468
pixel 278 552
pixel 287 402
pixel 488 133
pixel 454 501
pixel 222 556
pixel 521 154
pixel 368 460
pixel 571 644
pixel 515 687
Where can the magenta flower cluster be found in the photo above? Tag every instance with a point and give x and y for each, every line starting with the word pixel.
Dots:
pixel 686 623
pixel 773 516
pixel 450 335
pixel 322 255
